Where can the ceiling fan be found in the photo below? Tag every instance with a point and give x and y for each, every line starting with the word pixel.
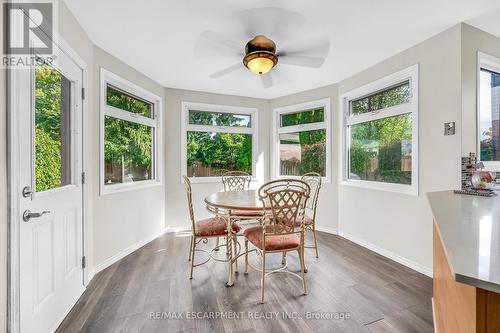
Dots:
pixel 260 54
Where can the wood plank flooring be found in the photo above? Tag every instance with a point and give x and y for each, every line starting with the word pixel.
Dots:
pixel 150 291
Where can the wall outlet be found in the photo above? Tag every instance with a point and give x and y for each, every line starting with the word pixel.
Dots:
pixel 449 128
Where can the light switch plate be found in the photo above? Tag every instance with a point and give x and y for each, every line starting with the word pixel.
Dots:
pixel 449 128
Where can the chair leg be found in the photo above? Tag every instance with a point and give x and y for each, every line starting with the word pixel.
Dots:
pixel 217 244
pixel 193 247
pixel 315 242
pixel 262 281
pixel 283 259
pixel 302 268
pixel 190 248
pixel 235 251
pixel 246 256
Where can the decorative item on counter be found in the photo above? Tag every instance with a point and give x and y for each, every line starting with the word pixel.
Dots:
pixel 482 180
pixel 468 168
pixel 475 181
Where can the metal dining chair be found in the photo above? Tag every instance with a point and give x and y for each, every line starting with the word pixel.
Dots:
pixel 203 229
pixel 278 233
pixel 236 180
pixel 312 179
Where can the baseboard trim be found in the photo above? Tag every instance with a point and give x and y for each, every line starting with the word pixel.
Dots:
pixel 123 253
pixel 388 254
pixel 328 230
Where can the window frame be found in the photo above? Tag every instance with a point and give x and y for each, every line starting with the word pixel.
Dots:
pixel 410 74
pixel 205 107
pixel 324 103
pixel 490 63
pixel 109 78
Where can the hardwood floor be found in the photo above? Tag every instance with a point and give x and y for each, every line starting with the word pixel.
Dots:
pixel 138 293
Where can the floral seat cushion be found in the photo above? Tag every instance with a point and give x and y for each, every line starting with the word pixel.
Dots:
pixel 307 221
pixel 213 226
pixel 273 242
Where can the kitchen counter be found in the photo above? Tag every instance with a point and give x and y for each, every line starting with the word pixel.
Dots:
pixel 469 228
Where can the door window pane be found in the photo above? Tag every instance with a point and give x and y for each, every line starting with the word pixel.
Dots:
pixel 52 129
pixel 302 152
pixel 127 102
pixel 211 154
pixel 128 151
pixel 381 150
pixel 219 119
pixel 387 98
pixel 303 117
pixel 489 115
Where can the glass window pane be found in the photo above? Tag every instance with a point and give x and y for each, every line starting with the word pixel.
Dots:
pixel 128 151
pixel 387 98
pixel 219 119
pixel 303 117
pixel 52 129
pixel 211 154
pixel 489 115
pixel 127 102
pixel 381 150
pixel 303 152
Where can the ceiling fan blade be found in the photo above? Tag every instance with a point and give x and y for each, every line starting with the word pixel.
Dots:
pixel 267 80
pixel 303 61
pixel 319 47
pixel 273 22
pixel 226 71
pixel 215 43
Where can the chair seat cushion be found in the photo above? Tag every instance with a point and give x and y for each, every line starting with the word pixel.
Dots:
pixel 273 242
pixel 245 214
pixel 213 226
pixel 307 221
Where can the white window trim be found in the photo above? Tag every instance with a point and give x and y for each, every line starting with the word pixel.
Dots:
pixel 411 74
pixel 108 77
pixel 324 103
pixel 185 127
pixel 490 63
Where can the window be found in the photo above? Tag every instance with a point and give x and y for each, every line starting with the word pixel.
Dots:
pixel 301 142
pixel 489 111
pixel 130 118
pixel 53 144
pixel 216 139
pixel 380 134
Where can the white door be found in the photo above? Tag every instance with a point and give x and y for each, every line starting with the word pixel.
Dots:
pixel 50 226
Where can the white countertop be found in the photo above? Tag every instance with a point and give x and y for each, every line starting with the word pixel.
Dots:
pixel 469 227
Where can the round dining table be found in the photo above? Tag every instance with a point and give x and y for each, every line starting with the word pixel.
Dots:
pixel 235 205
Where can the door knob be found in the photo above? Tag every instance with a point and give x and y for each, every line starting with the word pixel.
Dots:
pixel 28 215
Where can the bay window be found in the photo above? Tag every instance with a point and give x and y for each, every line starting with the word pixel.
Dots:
pixel 301 139
pixel 129 135
pixel 380 134
pixel 217 139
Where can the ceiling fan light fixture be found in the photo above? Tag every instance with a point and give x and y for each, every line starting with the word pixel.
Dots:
pixel 260 62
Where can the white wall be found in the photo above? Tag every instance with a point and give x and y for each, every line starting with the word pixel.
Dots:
pixel 473 40
pixel 402 224
pixel 327 214
pixel 175 197
pixel 122 219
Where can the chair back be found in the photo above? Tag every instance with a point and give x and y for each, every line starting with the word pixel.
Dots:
pixel 287 199
pixel 236 181
pixel 187 185
pixel 312 179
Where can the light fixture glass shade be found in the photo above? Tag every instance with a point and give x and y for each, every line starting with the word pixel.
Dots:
pixel 260 65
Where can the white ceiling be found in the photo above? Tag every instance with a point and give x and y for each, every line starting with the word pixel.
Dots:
pixel 159 37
